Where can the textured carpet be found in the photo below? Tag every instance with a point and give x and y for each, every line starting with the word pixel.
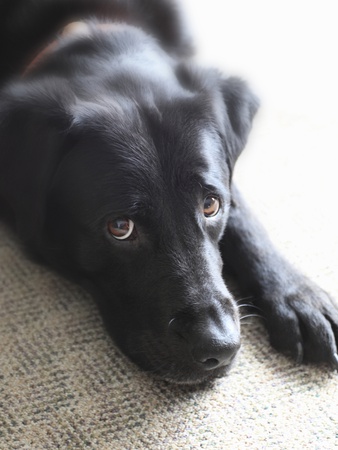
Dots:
pixel 64 385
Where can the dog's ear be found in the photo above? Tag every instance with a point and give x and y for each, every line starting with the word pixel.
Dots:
pixel 241 106
pixel 33 131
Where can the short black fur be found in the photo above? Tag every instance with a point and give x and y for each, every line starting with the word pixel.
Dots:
pixel 114 123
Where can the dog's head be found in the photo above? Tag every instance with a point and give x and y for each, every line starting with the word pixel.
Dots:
pixel 121 174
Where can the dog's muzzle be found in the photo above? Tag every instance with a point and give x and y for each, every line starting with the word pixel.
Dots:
pixel 212 341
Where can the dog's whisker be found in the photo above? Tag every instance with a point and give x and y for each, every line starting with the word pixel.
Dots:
pixel 250 297
pixel 248 305
pixel 171 321
pixel 251 315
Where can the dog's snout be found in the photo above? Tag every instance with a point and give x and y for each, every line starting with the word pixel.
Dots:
pixel 210 354
pixel 211 342
pixel 215 345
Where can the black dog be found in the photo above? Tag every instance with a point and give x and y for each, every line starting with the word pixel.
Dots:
pixel 116 157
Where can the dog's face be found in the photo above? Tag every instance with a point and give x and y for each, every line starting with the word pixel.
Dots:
pixel 140 208
pixel 136 202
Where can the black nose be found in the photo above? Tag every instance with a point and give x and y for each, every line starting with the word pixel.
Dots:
pixel 210 352
pixel 212 342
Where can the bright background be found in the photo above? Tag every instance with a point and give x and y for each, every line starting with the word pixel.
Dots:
pixel 288 49
pixel 288 52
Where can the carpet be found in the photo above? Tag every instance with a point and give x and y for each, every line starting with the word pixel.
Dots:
pixel 63 383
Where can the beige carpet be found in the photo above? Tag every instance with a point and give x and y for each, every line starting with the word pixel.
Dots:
pixel 64 385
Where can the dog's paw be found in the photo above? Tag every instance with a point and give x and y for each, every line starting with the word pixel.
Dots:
pixel 303 322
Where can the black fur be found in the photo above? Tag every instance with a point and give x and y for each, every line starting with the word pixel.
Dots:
pixel 117 124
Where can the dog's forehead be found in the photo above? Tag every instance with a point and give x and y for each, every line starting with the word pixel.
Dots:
pixel 171 146
pixel 151 155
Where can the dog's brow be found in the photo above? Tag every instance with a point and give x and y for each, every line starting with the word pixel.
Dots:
pixel 217 171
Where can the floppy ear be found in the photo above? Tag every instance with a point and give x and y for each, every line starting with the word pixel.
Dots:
pixel 241 106
pixel 33 129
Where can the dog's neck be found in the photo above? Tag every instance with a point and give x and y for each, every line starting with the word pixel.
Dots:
pixel 72 29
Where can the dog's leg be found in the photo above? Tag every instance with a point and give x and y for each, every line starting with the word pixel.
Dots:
pixel 301 318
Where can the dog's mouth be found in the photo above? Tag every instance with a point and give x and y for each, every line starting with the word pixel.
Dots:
pixel 178 373
pixel 175 365
pixel 193 378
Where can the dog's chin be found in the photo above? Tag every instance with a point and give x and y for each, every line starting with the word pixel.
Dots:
pixel 170 363
pixel 193 378
pixel 183 374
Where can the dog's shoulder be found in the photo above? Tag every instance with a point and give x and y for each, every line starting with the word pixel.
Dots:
pixel 27 26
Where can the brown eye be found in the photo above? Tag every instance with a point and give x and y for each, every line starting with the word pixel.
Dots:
pixel 211 206
pixel 121 228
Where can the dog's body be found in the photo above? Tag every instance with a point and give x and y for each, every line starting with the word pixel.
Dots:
pixel 116 157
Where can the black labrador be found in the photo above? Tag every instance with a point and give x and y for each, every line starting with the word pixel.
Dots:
pixel 116 158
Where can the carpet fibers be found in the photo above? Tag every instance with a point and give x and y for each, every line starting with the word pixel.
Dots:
pixel 64 385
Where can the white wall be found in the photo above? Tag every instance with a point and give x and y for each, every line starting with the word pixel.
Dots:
pixel 288 49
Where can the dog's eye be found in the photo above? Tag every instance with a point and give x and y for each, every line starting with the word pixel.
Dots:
pixel 121 228
pixel 211 206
